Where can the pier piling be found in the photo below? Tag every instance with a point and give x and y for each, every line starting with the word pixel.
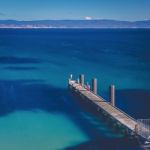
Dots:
pixel 94 85
pixel 112 94
pixel 81 79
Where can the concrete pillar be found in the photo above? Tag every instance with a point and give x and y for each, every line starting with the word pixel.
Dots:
pixel 94 86
pixel 81 78
pixel 112 94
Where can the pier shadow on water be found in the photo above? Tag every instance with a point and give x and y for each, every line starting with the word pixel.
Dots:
pixel 32 95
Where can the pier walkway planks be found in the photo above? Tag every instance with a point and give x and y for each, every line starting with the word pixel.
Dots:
pixel 114 112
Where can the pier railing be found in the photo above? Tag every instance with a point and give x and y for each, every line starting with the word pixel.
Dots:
pixel 144 128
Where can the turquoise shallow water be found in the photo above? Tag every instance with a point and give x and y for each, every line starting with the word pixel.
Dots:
pixel 37 111
pixel 38 130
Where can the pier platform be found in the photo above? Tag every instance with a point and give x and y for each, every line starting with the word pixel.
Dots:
pixel 109 108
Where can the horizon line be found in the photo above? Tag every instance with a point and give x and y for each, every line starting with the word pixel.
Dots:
pixel 75 20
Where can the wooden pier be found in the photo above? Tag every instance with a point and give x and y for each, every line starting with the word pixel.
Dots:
pixel 129 123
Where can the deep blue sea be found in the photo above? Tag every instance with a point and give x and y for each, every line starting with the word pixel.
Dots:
pixel 37 112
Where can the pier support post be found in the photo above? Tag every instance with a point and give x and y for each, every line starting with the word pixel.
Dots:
pixel 112 94
pixel 81 79
pixel 94 85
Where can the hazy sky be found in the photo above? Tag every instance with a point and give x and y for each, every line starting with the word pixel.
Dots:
pixel 75 9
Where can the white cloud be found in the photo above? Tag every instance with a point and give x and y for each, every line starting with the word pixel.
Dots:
pixel 88 18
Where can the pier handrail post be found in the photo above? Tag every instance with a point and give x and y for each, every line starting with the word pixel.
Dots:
pixel 112 94
pixel 94 86
pixel 136 129
pixel 70 78
pixel 81 79
pixel 78 81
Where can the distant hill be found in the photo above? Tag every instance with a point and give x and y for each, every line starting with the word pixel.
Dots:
pixel 74 24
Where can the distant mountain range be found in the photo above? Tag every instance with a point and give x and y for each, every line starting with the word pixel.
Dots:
pixel 74 24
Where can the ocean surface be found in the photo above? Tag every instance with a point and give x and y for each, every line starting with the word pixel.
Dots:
pixel 37 112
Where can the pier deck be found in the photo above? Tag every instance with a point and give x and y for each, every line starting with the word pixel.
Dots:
pixel 120 116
